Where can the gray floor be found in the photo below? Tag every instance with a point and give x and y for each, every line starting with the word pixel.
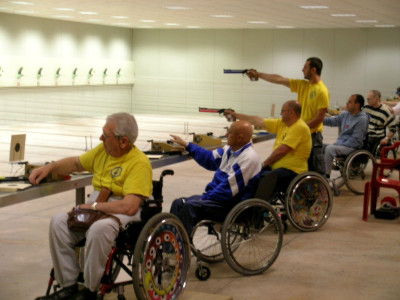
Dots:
pixel 345 259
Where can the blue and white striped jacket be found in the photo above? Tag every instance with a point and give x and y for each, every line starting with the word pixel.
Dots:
pixel 236 177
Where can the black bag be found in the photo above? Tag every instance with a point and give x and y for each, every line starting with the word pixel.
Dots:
pixel 81 219
pixel 387 211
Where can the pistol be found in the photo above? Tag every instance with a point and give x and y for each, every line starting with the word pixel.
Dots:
pixel 220 111
pixel 239 71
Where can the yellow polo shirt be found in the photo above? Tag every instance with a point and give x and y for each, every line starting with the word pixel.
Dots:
pixel 297 137
pixel 128 174
pixel 312 98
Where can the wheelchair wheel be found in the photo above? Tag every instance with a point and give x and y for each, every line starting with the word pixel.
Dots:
pixel 161 259
pixel 358 170
pixel 206 241
pixel 309 201
pixel 252 237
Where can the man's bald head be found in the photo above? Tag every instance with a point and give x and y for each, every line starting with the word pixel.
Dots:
pixel 239 134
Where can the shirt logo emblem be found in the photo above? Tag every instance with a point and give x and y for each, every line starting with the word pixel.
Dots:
pixel 116 172
pixel 313 94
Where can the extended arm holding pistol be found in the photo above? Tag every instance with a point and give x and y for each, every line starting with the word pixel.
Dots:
pixel 220 111
pixel 243 72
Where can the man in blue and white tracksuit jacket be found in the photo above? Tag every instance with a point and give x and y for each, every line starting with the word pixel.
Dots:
pixel 237 167
pixel 354 126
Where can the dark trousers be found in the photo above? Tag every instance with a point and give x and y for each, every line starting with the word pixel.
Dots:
pixel 192 210
pixel 284 177
pixel 316 161
pixel 372 144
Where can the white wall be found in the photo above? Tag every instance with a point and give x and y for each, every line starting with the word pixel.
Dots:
pixel 180 70
pixel 176 71
pixel 26 41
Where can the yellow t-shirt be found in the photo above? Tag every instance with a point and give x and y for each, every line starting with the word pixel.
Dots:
pixel 128 174
pixel 297 137
pixel 312 98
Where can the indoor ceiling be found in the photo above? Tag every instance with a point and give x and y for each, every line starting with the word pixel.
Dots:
pixel 223 14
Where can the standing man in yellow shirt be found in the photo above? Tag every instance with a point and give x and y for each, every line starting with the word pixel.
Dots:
pixel 313 97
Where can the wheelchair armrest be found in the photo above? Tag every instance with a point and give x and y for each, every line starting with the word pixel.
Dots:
pixel 150 208
pixel 129 235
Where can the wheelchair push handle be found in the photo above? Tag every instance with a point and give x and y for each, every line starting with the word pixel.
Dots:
pixel 167 172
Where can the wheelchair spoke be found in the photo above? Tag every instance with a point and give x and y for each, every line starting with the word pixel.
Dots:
pixel 252 237
pixel 358 170
pixel 309 202
pixel 161 258
pixel 206 241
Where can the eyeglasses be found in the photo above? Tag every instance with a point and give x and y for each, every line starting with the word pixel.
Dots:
pixel 109 136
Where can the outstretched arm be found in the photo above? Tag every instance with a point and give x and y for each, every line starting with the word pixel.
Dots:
pixel 273 78
pixel 254 120
pixel 63 167
pixel 177 139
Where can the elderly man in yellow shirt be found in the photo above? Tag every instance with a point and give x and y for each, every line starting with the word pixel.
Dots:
pixel 292 145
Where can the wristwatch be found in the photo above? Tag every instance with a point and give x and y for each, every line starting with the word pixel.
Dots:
pixel 94 206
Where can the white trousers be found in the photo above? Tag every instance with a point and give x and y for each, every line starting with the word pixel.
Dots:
pixel 100 238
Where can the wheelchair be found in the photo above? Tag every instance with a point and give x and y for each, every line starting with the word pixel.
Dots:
pixel 355 169
pixel 306 203
pixel 154 252
pixel 250 238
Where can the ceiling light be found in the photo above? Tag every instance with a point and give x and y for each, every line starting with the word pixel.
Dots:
pixel 147 21
pixel 284 26
pixel 88 13
pixel 257 22
pixel 4 8
pixel 343 15
pixel 177 7
pixel 22 3
pixel 314 7
pixel 119 17
pixel 121 24
pixel 382 25
pixel 221 16
pixel 25 11
pixel 171 24
pixel 63 17
pixel 64 9
pixel 145 26
pixel 95 20
pixel 192 27
pixel 366 21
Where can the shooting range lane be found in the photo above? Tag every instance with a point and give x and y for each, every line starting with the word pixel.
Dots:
pixel 52 140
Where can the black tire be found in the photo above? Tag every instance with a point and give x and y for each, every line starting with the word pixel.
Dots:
pixel 358 170
pixel 161 258
pixel 252 237
pixel 309 201
pixel 202 273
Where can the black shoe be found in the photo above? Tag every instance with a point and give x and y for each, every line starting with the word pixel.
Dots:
pixel 85 294
pixel 65 293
